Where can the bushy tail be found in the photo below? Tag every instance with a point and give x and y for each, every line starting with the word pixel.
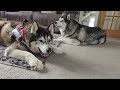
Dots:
pixel 102 39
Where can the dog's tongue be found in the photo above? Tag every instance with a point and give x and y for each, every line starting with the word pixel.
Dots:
pixel 45 55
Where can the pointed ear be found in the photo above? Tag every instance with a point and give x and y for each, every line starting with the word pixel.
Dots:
pixel 34 28
pixel 68 17
pixel 51 28
pixel 25 21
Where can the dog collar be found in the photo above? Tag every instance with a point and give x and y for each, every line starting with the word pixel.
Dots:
pixel 20 29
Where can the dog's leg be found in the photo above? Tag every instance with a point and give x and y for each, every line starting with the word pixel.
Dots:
pixel 65 36
pixel 19 54
pixel 29 57
pixel 8 49
pixel 60 37
pixel 69 41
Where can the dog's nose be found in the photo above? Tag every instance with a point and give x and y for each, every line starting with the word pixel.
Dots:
pixel 49 50
pixel 56 22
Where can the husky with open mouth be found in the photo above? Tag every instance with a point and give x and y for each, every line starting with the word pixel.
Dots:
pixel 29 37
pixel 74 33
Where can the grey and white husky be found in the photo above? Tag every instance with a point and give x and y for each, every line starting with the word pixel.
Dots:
pixel 74 33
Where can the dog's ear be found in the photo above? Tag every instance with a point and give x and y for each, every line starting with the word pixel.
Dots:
pixel 51 28
pixel 68 16
pixel 25 21
pixel 34 28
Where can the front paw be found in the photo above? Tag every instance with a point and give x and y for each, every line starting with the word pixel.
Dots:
pixel 40 65
pixel 58 39
pixel 36 65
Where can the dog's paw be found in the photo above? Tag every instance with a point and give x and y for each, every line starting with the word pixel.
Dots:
pixel 36 65
pixel 40 65
pixel 58 39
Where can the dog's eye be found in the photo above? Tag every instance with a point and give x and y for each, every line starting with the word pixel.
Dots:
pixel 41 40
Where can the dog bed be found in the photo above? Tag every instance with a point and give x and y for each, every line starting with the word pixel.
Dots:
pixel 6 60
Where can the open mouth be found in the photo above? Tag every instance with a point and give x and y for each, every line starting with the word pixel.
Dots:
pixel 44 55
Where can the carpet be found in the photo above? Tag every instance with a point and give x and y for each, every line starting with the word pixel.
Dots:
pixel 77 62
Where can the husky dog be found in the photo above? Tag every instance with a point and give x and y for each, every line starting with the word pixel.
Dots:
pixel 74 33
pixel 29 37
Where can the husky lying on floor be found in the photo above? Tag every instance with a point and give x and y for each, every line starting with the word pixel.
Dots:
pixel 74 33
pixel 27 38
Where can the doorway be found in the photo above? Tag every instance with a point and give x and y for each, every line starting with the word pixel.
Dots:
pixel 110 22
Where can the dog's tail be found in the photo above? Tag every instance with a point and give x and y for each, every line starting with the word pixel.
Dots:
pixel 102 39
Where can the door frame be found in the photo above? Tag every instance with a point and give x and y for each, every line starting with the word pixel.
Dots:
pixel 110 33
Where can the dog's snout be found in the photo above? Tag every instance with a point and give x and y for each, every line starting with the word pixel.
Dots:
pixel 49 50
pixel 56 22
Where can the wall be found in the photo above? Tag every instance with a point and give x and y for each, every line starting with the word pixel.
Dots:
pixel 86 22
pixel 97 18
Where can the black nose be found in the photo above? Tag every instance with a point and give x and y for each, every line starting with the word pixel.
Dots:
pixel 56 22
pixel 49 50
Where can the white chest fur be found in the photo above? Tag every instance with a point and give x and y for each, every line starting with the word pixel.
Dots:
pixel 61 31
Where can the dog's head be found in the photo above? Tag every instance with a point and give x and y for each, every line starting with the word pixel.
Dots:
pixel 41 38
pixel 62 22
